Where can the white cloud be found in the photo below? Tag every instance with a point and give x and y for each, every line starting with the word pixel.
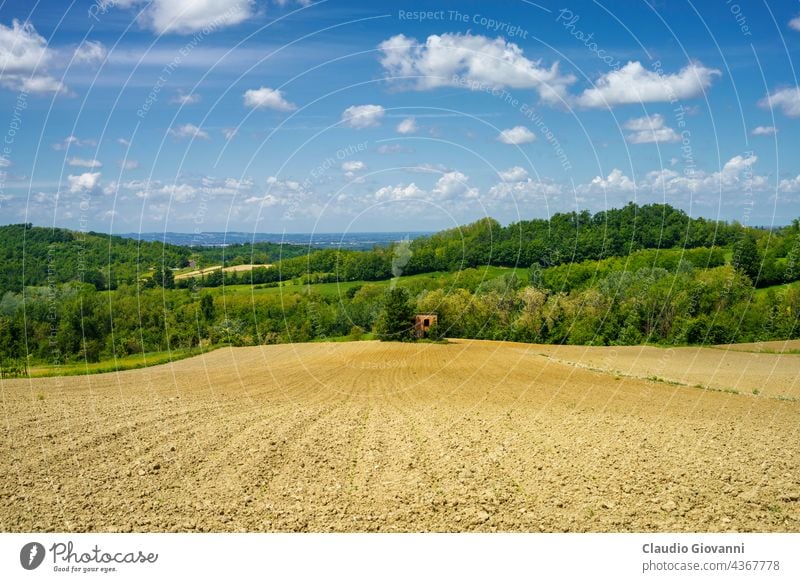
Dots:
pixel 128 164
pixel 468 61
pixel 281 192
pixel 788 100
pixel 361 116
pixel 179 192
pixel 454 185
pixel 188 16
pixel 89 52
pixel 399 192
pixel 266 98
pixel 790 185
pixel 4 162
pixel 516 135
pixel 794 23
pixel 188 131
pixel 353 166
pixel 525 190
pixel 633 83
pixel 764 130
pixel 186 98
pixel 123 142
pixel 83 182
pixel 24 57
pixel 515 174
pixel 73 141
pixel 407 126
pixel 736 176
pixel 615 182
pixel 84 163
pixel 650 129
pixel 229 132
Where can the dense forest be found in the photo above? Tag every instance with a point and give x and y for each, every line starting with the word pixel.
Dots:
pixel 36 256
pixel 638 274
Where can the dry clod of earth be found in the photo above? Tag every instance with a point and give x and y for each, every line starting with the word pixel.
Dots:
pixel 364 436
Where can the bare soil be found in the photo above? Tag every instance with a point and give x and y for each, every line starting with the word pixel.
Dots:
pixel 365 436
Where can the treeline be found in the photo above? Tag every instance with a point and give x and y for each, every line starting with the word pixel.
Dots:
pixel 688 294
pixel 572 240
pixel 568 238
pixel 35 256
pixel 686 304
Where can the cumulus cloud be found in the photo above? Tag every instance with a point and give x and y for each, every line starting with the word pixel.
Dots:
pixel 794 23
pixel 350 168
pixel 123 142
pixel 454 185
pixel 515 174
pixel 266 98
pixel 187 16
pixel 790 184
pixel 84 163
pixel 516 135
pixel 616 181
pixel 469 61
pixel 633 83
pixel 652 129
pixel 787 100
pixel 85 182
pixel 24 57
pixel 89 52
pixel 229 132
pixel 362 116
pixel 186 98
pixel 280 192
pixel 399 192
pixel 188 131
pixel 407 126
pixel 764 130
pixel 736 175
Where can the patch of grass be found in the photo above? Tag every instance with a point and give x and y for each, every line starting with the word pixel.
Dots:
pixel 131 362
pixel 435 280
pixel 40 396
pixel 756 391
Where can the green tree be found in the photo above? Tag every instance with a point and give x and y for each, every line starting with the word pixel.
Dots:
pixel 207 307
pixel 395 322
pixel 164 277
pixel 746 257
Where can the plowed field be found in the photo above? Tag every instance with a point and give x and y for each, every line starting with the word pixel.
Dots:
pixel 366 436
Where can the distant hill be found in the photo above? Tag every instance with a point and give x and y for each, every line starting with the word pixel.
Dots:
pixel 322 240
pixel 38 256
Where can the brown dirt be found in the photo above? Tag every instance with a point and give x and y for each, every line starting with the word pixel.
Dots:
pixel 363 436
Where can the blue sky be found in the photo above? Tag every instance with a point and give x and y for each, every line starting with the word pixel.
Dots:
pixel 126 115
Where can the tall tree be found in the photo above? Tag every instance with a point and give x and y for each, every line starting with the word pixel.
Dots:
pixel 396 321
pixel 746 257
